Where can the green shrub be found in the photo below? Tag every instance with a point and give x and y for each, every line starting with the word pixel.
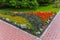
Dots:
pixel 19 3
pixel 4 2
pixel 24 3
pixel 42 2
pixel 57 4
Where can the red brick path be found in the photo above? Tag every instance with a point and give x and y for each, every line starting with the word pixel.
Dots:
pixel 9 32
pixel 53 32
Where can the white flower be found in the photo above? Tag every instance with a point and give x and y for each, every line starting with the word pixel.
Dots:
pixel 23 25
pixel 7 19
pixel 37 32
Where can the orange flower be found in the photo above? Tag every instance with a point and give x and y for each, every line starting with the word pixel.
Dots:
pixel 44 15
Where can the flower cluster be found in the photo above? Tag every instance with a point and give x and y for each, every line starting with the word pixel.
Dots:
pixel 44 15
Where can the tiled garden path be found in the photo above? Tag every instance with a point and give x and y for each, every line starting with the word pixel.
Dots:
pixel 53 30
pixel 9 32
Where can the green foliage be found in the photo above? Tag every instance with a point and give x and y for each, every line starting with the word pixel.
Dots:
pixel 20 3
pixel 57 3
pixel 44 1
pixel 3 2
pixel 24 3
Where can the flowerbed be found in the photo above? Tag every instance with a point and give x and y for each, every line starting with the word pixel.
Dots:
pixel 44 15
pixel 32 22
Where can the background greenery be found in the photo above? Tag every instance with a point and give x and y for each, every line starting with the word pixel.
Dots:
pixel 24 3
pixel 29 5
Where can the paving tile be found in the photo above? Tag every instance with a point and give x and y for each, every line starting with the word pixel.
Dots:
pixel 53 33
pixel 10 32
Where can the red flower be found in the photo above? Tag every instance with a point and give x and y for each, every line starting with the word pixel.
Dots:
pixel 44 15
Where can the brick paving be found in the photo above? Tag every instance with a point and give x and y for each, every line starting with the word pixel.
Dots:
pixel 53 30
pixel 10 32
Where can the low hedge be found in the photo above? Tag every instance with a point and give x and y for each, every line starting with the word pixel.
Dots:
pixel 19 3
pixel 24 3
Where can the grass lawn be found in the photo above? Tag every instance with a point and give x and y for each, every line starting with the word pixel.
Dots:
pixel 48 8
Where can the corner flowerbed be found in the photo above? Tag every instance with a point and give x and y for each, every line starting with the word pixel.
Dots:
pixel 32 22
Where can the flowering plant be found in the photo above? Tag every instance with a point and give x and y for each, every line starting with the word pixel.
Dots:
pixel 43 15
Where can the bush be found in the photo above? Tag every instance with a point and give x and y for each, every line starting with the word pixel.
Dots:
pixel 19 3
pixel 43 2
pixel 57 4
pixel 23 3
pixel 4 2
